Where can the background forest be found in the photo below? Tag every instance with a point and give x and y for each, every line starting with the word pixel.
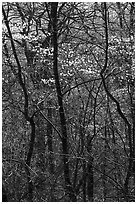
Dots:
pixel 68 101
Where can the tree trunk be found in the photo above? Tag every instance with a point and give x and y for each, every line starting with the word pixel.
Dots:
pixel 90 181
pixel 68 185
pixel 49 137
pixel 40 142
pixel 90 176
pixel 28 160
pixel 26 107
pixel 4 195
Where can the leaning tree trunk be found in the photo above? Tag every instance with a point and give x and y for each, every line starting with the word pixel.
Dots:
pixel 28 118
pixel 68 185
pixel 120 112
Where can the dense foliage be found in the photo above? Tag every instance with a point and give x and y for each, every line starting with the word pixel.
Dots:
pixel 68 101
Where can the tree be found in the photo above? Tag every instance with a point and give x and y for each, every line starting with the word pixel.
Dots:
pixel 68 101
